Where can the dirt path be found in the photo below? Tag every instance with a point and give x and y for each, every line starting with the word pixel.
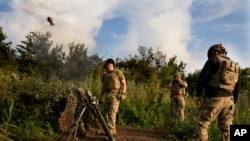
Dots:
pixel 129 134
pixel 123 134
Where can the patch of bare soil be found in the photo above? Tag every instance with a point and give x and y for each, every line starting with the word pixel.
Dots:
pixel 123 134
pixel 129 134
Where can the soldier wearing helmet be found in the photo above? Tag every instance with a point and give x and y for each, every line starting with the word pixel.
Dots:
pixel 114 89
pixel 177 97
pixel 221 81
pixel 214 50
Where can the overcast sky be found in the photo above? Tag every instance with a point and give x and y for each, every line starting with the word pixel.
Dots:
pixel 115 28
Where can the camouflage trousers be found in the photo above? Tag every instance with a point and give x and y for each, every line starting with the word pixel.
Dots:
pixel 177 106
pixel 111 107
pixel 211 108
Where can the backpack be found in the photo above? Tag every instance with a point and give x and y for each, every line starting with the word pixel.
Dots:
pixel 226 76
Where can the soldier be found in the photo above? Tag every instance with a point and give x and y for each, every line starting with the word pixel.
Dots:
pixel 114 89
pixel 177 96
pixel 221 80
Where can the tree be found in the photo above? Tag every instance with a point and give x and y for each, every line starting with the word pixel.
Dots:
pixel 57 58
pixel 36 56
pixel 150 66
pixel 7 54
pixel 78 65
pixel 245 79
pixel 96 65
pixel 192 79
pixel 167 71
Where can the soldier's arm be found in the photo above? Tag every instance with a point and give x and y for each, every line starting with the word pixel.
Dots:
pixel 123 82
pixel 237 89
pixel 202 77
pixel 123 86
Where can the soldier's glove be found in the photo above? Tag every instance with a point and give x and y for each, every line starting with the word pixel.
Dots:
pixel 122 96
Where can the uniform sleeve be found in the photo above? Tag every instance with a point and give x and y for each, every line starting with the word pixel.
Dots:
pixel 202 78
pixel 121 75
pixel 184 83
pixel 237 89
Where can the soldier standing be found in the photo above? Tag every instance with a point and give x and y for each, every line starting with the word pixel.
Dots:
pixel 114 89
pixel 177 97
pixel 221 80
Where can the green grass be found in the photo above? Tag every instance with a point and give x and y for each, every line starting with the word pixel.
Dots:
pixel 147 106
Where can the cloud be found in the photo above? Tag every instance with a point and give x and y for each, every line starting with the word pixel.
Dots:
pixel 162 23
pixel 154 24
pixel 77 21
pixel 208 10
pixel 219 21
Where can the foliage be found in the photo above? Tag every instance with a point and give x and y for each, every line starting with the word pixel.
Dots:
pixel 245 77
pixel 181 131
pixel 192 80
pixel 78 65
pixel 145 105
pixel 149 66
pixel 8 131
pixel 242 111
pixel 37 90
pixel 7 54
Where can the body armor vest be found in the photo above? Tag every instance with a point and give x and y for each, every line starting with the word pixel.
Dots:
pixel 111 81
pixel 226 76
pixel 177 89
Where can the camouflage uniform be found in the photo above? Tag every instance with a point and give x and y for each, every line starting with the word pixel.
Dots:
pixel 221 108
pixel 113 83
pixel 177 98
pixel 221 80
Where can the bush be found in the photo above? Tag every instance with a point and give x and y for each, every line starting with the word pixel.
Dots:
pixel 27 99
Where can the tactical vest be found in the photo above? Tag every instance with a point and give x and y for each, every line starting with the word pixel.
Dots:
pixel 111 81
pixel 177 89
pixel 226 76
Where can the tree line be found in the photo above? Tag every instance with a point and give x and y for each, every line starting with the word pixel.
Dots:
pixel 38 56
pixel 36 76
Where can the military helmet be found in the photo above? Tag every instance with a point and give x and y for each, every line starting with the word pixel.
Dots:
pixel 109 61
pixel 177 74
pixel 216 48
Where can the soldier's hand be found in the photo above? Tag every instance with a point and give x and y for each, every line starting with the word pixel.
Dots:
pixel 122 96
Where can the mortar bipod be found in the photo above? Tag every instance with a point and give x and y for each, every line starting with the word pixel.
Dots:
pixel 90 102
pixel 94 102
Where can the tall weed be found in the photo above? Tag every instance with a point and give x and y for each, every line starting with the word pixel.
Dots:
pixel 144 107
pixel 147 106
pixel 242 110
pixel 8 131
